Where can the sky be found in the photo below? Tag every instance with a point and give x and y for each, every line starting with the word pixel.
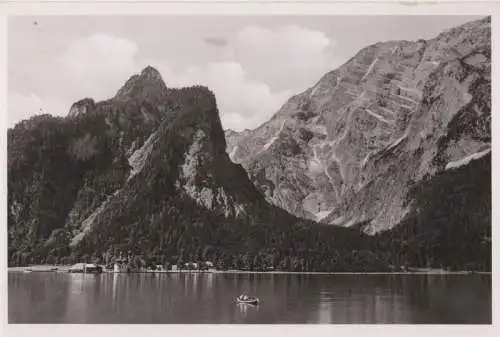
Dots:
pixel 253 64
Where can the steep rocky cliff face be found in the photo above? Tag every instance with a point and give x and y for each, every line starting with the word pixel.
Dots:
pixel 184 159
pixel 349 149
pixel 146 174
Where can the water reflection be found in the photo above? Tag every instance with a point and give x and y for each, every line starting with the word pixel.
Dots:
pixel 209 282
pixel 115 285
pixel 210 298
pixel 325 309
pixel 45 296
pixel 244 308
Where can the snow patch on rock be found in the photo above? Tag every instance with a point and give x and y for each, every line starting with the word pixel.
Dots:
pixel 365 160
pixel 377 116
pixel 369 69
pixel 397 142
pixel 467 159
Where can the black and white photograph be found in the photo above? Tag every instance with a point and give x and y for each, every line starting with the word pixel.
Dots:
pixel 249 169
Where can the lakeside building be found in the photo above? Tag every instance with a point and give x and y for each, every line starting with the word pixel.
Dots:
pixel 191 265
pixel 120 266
pixel 85 268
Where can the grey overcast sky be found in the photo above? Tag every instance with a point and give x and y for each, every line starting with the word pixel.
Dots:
pixel 252 63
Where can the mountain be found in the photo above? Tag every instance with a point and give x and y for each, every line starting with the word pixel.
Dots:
pixel 146 175
pixel 396 143
pixel 351 149
pixel 61 169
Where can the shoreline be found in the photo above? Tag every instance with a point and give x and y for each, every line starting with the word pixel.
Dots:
pixel 64 269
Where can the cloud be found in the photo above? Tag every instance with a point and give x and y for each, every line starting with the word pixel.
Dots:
pixel 22 106
pixel 287 56
pixel 254 71
pixel 264 68
pixel 98 65
pixel 94 66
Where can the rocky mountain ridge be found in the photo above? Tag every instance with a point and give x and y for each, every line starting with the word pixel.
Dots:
pixel 146 174
pixel 348 149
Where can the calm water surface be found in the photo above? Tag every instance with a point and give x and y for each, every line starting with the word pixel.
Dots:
pixel 209 298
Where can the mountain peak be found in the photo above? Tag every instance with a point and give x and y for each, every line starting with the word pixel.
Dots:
pixel 151 73
pixel 82 107
pixel 147 84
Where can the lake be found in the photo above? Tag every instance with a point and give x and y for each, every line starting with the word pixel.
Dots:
pixel 285 298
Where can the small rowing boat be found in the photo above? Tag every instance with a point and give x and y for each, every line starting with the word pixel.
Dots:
pixel 247 300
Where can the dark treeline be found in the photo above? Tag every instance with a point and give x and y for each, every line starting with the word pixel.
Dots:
pixel 451 224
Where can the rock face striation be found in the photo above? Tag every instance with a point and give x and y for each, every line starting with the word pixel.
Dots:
pixel 348 150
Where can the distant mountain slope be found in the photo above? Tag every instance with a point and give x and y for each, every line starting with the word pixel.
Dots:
pixel 146 175
pixel 347 150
